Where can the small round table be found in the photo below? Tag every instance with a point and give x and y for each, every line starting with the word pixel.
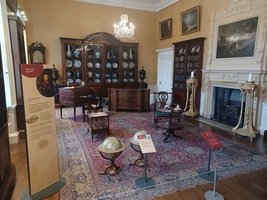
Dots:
pixel 169 125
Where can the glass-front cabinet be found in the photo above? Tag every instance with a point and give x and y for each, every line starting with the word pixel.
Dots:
pixel 99 60
pixel 188 59
pixel 72 62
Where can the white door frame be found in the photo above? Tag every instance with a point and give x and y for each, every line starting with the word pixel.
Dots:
pixel 163 54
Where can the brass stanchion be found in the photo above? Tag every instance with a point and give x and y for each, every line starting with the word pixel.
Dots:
pixel 251 89
pixel 191 84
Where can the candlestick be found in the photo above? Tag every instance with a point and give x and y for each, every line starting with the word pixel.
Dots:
pixel 250 77
pixel 192 74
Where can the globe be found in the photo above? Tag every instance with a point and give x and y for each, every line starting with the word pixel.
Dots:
pixel 135 137
pixel 111 147
pixel 112 144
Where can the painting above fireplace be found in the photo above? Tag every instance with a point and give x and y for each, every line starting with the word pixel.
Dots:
pixel 237 39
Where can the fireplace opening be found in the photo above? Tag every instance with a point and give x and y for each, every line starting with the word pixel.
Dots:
pixel 228 106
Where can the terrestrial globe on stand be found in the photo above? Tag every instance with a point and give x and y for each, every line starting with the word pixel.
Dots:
pixel 110 149
pixel 135 145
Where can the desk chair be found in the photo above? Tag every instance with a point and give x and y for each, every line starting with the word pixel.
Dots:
pixel 160 101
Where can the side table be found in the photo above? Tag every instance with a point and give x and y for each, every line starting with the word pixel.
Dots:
pixel 98 123
pixel 169 125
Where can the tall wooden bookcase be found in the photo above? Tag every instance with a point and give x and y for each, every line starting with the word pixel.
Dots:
pixel 188 57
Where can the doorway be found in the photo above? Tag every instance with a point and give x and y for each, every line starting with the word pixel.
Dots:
pixel 165 69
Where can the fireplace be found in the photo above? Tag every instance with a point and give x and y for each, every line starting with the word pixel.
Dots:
pixel 227 106
pixel 235 71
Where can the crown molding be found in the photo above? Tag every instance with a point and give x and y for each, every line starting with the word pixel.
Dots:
pixel 147 5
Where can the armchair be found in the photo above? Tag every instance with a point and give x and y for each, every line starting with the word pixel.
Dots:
pixel 91 102
pixel 160 101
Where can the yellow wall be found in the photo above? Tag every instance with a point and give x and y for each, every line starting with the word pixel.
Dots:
pixel 50 19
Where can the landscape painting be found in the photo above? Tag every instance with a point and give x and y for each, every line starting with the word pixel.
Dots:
pixel 237 39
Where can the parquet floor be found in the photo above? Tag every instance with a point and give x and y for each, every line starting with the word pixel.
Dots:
pixel 249 186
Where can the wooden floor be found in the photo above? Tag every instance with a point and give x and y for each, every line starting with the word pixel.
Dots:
pixel 250 186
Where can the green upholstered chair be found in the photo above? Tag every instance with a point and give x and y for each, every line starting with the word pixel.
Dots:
pixel 160 101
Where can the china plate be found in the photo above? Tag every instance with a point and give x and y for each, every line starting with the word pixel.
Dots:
pixel 68 63
pixel 115 80
pixel 125 80
pixel 131 65
pixel 124 65
pixel 97 80
pixel 131 80
pixel 108 65
pixel 90 64
pixel 115 65
pixel 70 80
pixel 77 63
pixel 108 80
pixel 97 65
pixel 78 80
pixel 98 54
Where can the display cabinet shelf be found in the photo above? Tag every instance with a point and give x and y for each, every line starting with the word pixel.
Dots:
pixel 101 61
pixel 188 57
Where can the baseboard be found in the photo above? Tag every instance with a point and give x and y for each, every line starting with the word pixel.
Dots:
pixel 13 138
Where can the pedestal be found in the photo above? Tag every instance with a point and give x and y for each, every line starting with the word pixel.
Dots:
pixel 191 85
pixel 250 89
pixel 50 190
pixel 144 181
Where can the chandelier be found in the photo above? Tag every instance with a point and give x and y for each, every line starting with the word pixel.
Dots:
pixel 124 30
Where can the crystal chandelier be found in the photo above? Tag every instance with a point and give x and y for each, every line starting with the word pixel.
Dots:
pixel 124 30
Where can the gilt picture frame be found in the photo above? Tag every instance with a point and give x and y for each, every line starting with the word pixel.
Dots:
pixel 237 39
pixel 190 20
pixel 165 29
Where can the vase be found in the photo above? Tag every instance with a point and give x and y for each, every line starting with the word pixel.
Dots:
pixel 69 51
pixel 131 54
pixel 125 55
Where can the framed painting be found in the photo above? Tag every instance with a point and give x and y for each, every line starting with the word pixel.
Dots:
pixel 12 4
pixel 190 20
pixel 237 39
pixel 165 29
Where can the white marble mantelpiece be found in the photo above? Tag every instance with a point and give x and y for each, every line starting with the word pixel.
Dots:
pixel 232 72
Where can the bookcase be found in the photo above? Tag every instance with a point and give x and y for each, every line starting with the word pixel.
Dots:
pixel 188 57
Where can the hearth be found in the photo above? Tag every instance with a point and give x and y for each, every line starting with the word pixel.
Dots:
pixel 227 106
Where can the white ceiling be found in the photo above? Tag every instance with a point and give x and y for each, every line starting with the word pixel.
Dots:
pixel 148 5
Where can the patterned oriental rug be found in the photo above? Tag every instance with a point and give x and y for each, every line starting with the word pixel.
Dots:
pixel 175 165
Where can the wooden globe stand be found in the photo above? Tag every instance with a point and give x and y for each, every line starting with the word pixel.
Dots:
pixel 112 169
pixel 140 160
pixel 191 85
pixel 251 89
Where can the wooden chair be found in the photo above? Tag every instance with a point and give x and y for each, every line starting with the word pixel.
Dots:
pixel 160 101
pixel 91 102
